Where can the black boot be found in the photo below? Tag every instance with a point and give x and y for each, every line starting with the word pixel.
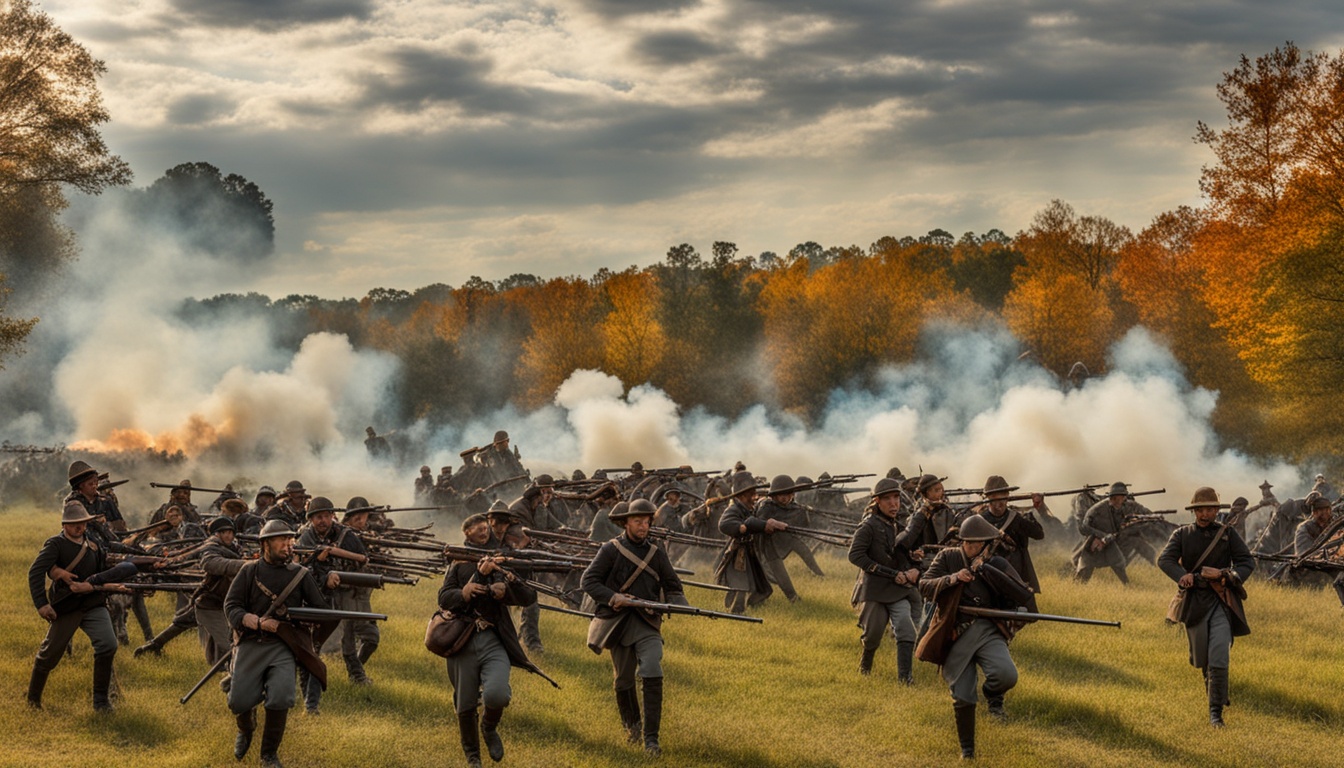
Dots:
pixel 141 613
pixel 36 684
pixel 628 702
pixel 490 730
pixel 965 729
pixel 247 724
pixel 311 690
pixel 355 670
pixel 905 663
pixel 471 737
pixel 366 652
pixel 102 681
pixel 155 646
pixel 866 661
pixel 1217 695
pixel 995 701
pixel 272 733
pixel 653 714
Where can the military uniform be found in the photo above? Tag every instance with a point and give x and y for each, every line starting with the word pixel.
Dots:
pixel 1212 611
pixel 340 537
pixel 221 562
pixel 1019 528
pixel 1103 522
pixel 881 551
pixel 739 567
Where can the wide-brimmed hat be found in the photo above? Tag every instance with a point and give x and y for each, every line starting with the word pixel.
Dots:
pixel 743 482
pixel 79 472
pixel 266 490
pixel 928 481
pixel 1265 486
pixel 294 486
pixel 886 486
pixel 501 436
pixel 237 506
pixel 996 484
pixel 635 508
pixel 1320 502
pixel 1117 489
pixel 320 504
pixel 274 529
pixel 977 528
pixel 75 512
pixel 896 474
pixel 357 505
pixel 1205 497
pixel 543 481
pixel 500 509
pixel 780 484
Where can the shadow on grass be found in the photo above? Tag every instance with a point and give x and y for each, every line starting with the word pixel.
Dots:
pixel 131 729
pixel 1274 701
pixel 1103 727
pixel 1074 668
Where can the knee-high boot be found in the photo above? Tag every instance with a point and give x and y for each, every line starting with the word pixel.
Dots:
pixel 247 725
pixel 628 703
pixel 471 737
pixel 653 714
pixel 102 681
pixel 36 684
pixel 905 662
pixel 490 731
pixel 1217 695
pixel 272 733
pixel 965 714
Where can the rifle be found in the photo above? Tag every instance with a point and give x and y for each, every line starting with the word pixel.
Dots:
pixel 570 611
pixel 703 585
pixel 193 489
pixel 110 484
pixel 149 586
pixel 1311 563
pixel 1074 492
pixel 677 537
pixel 825 537
pixel 681 473
pixel 506 481
pixel 991 613
pixel 366 580
pixel 688 610
pixel 319 615
pixel 563 538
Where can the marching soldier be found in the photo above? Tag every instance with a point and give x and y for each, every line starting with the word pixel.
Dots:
pixel 424 486
pixel 482 592
pixel 1101 526
pixel 292 509
pixel 739 565
pixel 887 588
pixel 1019 528
pixel 178 496
pixel 221 560
pixel 633 566
pixel 778 505
pixel 359 639
pixel 337 549
pixel 1209 563
pixel 264 662
pixel 77 565
pixel 959 641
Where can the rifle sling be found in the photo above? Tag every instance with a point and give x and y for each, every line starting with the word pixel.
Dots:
pixel 640 565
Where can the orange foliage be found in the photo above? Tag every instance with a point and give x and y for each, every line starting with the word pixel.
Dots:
pixel 565 337
pixel 1061 319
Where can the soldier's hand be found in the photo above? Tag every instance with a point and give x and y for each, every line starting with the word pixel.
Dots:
pixel 47 612
pixel 917 555
pixel 965 575
pixel 81 587
pixel 323 553
pixel 251 621
pixel 333 580
pixel 60 574
pixel 618 601
pixel 497 590
pixel 269 625
pixel 486 566
pixel 1211 574
pixel 772 525
pixel 1037 500
pixel 471 589
pixel 1098 545
pixel 912 576
pixel 1186 581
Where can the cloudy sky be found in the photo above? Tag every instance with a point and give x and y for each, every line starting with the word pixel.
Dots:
pixel 406 142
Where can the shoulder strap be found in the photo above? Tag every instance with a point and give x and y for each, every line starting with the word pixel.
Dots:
pixel 284 593
pixel 83 549
pixel 1209 548
pixel 640 565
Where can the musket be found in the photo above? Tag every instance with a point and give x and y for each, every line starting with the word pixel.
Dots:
pixel 109 484
pixel 826 537
pixel 570 611
pixel 506 481
pixel 366 580
pixel 150 586
pixel 563 538
pixel 386 508
pixel 192 488
pixel 679 471
pixel 677 537
pixel 304 613
pixel 1074 492
pixel 395 544
pixel 703 585
pixel 688 610
pixel 991 613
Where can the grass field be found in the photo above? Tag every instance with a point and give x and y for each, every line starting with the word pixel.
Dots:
pixel 783 693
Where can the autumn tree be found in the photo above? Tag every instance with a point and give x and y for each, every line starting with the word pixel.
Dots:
pixel 565 317
pixel 632 335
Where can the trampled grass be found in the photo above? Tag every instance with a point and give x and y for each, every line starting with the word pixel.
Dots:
pixel 784 693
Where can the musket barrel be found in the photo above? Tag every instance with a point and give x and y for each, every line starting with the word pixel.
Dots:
pixel 326 614
pixel 991 613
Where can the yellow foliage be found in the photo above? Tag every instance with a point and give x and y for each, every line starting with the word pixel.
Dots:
pixel 564 337
pixel 633 337
pixel 1059 317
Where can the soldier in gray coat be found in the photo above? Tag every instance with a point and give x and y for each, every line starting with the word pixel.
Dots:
pixel 887 589
pixel 1101 530
pixel 739 566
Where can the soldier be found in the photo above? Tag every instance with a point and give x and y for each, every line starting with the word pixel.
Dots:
pixel 604 505
pixel 337 549
pixel 178 496
pixel 104 529
pixel 1019 528
pixel 739 565
pixel 1101 526
pixel 292 508
pixel 940 519
pixel 424 486
pixel 778 505
pixel 888 579
pixel 359 639
pixel 508 529
pixel 221 560
pixel 1305 542
pixel 376 446
pixel 502 462
pixel 225 495
pixel 243 520
pixel 482 592
pixel 1209 563
pixel 184 615
pixel 264 662
pixel 263 501
pixel 533 511
pixel 958 641
pixel 625 567
pixel 669 516
pixel 78 565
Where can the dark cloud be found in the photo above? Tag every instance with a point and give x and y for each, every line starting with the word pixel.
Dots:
pixel 198 109
pixel 675 48
pixel 619 9
pixel 271 13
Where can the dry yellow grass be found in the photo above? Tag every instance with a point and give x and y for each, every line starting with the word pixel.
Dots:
pixel 784 693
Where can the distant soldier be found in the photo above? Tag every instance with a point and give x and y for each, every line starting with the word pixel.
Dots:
pixel 424 487
pixel 264 662
pixel 243 520
pixel 178 496
pixel 1210 563
pixel 1102 526
pixel 1307 541
pixel 292 509
pixel 225 495
pixel 778 505
pixel 502 462
pixel 76 565
pixel 887 592
pixel 337 548
pixel 221 560
pixel 483 592
pixel 604 503
pixel 263 501
pixel 959 642
pixel 739 566
pixel 359 639
pixel 376 446
pixel 633 566
pixel 1018 527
